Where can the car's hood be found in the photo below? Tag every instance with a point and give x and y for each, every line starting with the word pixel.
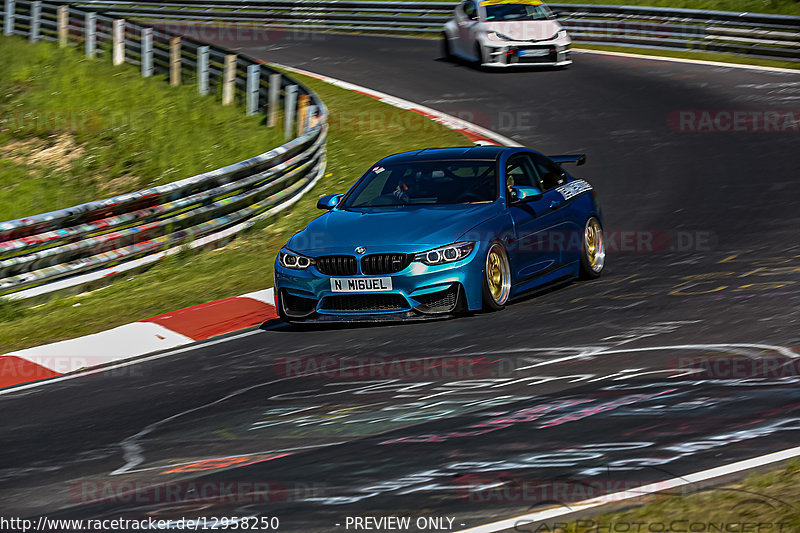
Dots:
pixel 384 229
pixel 527 30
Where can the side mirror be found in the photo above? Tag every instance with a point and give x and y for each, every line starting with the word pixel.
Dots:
pixel 329 201
pixel 521 195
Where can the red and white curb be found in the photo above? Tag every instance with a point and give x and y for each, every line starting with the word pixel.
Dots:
pixel 162 332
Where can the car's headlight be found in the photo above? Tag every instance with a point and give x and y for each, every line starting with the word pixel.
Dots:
pixel 294 260
pixel 446 254
pixel 559 35
pixel 497 36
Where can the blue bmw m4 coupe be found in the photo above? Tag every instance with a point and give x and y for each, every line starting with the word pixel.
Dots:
pixel 442 231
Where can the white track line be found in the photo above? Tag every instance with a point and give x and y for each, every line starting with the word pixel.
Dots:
pixel 705 475
pixel 691 61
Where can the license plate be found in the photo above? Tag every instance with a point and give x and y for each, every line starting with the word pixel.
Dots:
pixel 533 53
pixel 361 284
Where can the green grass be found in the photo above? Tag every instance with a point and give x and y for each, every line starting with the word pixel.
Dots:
pixel 363 130
pixel 705 56
pixel 771 500
pixel 74 130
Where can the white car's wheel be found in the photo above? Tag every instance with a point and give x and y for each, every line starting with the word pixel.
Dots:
pixel 447 54
pixel 478 55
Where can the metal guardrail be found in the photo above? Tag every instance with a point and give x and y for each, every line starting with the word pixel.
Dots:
pixel 76 248
pixel 752 34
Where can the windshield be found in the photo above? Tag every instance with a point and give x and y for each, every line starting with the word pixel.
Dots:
pixel 497 12
pixel 425 183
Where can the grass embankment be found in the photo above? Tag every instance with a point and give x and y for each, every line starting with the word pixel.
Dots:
pixel 362 131
pixel 74 130
pixel 761 503
pixel 783 7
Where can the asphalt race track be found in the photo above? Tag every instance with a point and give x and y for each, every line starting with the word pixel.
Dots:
pixel 682 357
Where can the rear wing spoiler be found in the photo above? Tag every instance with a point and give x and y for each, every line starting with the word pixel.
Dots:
pixel 578 159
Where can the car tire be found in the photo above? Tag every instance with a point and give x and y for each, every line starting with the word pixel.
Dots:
pixel 496 277
pixel 479 56
pixel 593 250
pixel 447 54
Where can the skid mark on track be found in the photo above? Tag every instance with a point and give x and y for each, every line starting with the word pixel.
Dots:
pixel 754 278
pixel 421 401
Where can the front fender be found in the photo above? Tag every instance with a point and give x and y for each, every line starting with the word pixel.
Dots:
pixel 450 30
pixel 500 227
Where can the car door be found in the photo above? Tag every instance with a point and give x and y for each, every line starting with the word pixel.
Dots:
pixel 567 236
pixel 537 224
pixel 466 20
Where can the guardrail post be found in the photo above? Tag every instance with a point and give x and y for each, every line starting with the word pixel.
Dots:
pixel 289 109
pixel 274 95
pixel 90 34
pixel 118 41
pixel 253 80
pixel 229 79
pixel 175 61
pixel 302 113
pixel 63 26
pixel 202 70
pixel 147 52
pixel 36 21
pixel 8 26
pixel 310 117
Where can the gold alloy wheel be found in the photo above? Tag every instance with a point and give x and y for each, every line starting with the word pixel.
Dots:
pixel 595 245
pixel 498 274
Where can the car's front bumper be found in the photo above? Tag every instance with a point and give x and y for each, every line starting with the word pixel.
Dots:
pixel 522 54
pixel 418 292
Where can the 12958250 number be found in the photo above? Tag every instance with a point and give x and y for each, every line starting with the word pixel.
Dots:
pixel 245 523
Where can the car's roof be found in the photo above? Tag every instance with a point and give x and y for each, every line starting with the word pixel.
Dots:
pixel 477 152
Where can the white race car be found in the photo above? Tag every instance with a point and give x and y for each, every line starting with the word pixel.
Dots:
pixel 506 33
